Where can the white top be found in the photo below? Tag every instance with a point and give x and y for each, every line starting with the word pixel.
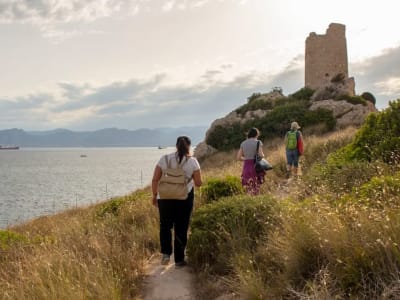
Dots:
pixel 189 165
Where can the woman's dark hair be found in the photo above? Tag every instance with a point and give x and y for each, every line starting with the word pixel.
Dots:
pixel 183 146
pixel 253 132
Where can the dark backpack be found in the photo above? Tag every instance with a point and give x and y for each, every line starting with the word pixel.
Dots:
pixel 291 140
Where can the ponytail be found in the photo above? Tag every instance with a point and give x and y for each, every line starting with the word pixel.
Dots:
pixel 183 147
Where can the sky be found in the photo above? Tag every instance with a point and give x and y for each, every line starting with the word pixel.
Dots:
pixel 130 64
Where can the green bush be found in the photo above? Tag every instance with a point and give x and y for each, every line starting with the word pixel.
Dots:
pixel 380 192
pixel 378 138
pixel 274 124
pixel 253 97
pixel 303 94
pixel 8 238
pixel 369 97
pixel 222 229
pixel 215 189
pixel 352 99
pixel 226 138
pixel 111 207
pixel 254 104
pixel 341 177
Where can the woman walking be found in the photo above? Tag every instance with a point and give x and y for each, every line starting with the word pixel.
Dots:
pixel 175 214
pixel 251 180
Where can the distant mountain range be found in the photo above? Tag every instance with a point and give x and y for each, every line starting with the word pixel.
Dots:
pixel 108 137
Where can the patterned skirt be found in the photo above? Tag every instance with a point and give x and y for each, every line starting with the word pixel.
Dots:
pixel 251 180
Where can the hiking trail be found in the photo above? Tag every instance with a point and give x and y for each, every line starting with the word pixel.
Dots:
pixel 165 282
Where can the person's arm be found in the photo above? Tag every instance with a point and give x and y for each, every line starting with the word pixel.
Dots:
pixel 197 178
pixel 154 184
pixel 239 155
pixel 260 150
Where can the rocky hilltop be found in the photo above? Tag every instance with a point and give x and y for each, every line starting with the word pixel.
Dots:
pixel 336 98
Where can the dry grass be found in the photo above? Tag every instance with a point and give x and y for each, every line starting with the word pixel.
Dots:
pixel 81 254
pixel 326 247
pixel 99 252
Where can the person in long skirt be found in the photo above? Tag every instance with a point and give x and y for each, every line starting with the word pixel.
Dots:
pixel 251 180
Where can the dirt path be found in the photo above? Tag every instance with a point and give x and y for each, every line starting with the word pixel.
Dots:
pixel 167 282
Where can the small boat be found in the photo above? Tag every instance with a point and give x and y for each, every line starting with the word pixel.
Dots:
pixel 9 147
pixel 83 155
pixel 159 147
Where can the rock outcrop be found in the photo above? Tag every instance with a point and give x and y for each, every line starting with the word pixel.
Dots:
pixel 346 114
pixel 334 89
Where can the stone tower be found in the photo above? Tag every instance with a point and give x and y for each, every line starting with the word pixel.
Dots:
pixel 326 56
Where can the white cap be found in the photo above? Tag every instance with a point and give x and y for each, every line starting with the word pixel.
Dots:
pixel 294 126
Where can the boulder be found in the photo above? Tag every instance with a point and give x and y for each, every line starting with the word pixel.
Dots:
pixel 334 89
pixel 203 150
pixel 347 114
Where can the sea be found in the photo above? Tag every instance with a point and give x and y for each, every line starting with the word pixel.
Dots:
pixel 43 181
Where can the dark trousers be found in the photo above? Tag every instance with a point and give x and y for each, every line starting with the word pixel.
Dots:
pixel 175 214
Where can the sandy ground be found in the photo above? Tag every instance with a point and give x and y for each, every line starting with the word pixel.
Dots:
pixel 168 282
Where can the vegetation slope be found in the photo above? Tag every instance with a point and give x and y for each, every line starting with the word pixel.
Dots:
pixel 332 233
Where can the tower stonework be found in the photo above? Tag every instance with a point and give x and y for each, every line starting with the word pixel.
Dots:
pixel 326 56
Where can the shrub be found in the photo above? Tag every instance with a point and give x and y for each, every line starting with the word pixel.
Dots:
pixel 254 104
pixel 340 77
pixel 253 97
pixel 215 189
pixel 274 124
pixel 8 238
pixel 277 123
pixel 379 137
pixel 111 207
pixel 220 230
pixel 303 94
pixel 341 176
pixel 352 99
pixel 380 192
pixel 227 137
pixel 369 97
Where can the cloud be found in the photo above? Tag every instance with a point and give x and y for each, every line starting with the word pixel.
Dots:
pixel 131 104
pixel 183 4
pixel 389 87
pixel 379 75
pixel 155 102
pixel 50 16
pixel 58 11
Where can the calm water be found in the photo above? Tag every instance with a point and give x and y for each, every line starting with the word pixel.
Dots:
pixel 42 181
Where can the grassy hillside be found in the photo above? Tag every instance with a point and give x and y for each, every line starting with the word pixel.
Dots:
pixel 91 253
pixel 332 233
pixel 279 112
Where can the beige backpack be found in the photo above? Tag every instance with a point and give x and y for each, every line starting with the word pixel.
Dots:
pixel 173 183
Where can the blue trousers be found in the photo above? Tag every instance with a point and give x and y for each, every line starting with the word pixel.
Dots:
pixel 292 157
